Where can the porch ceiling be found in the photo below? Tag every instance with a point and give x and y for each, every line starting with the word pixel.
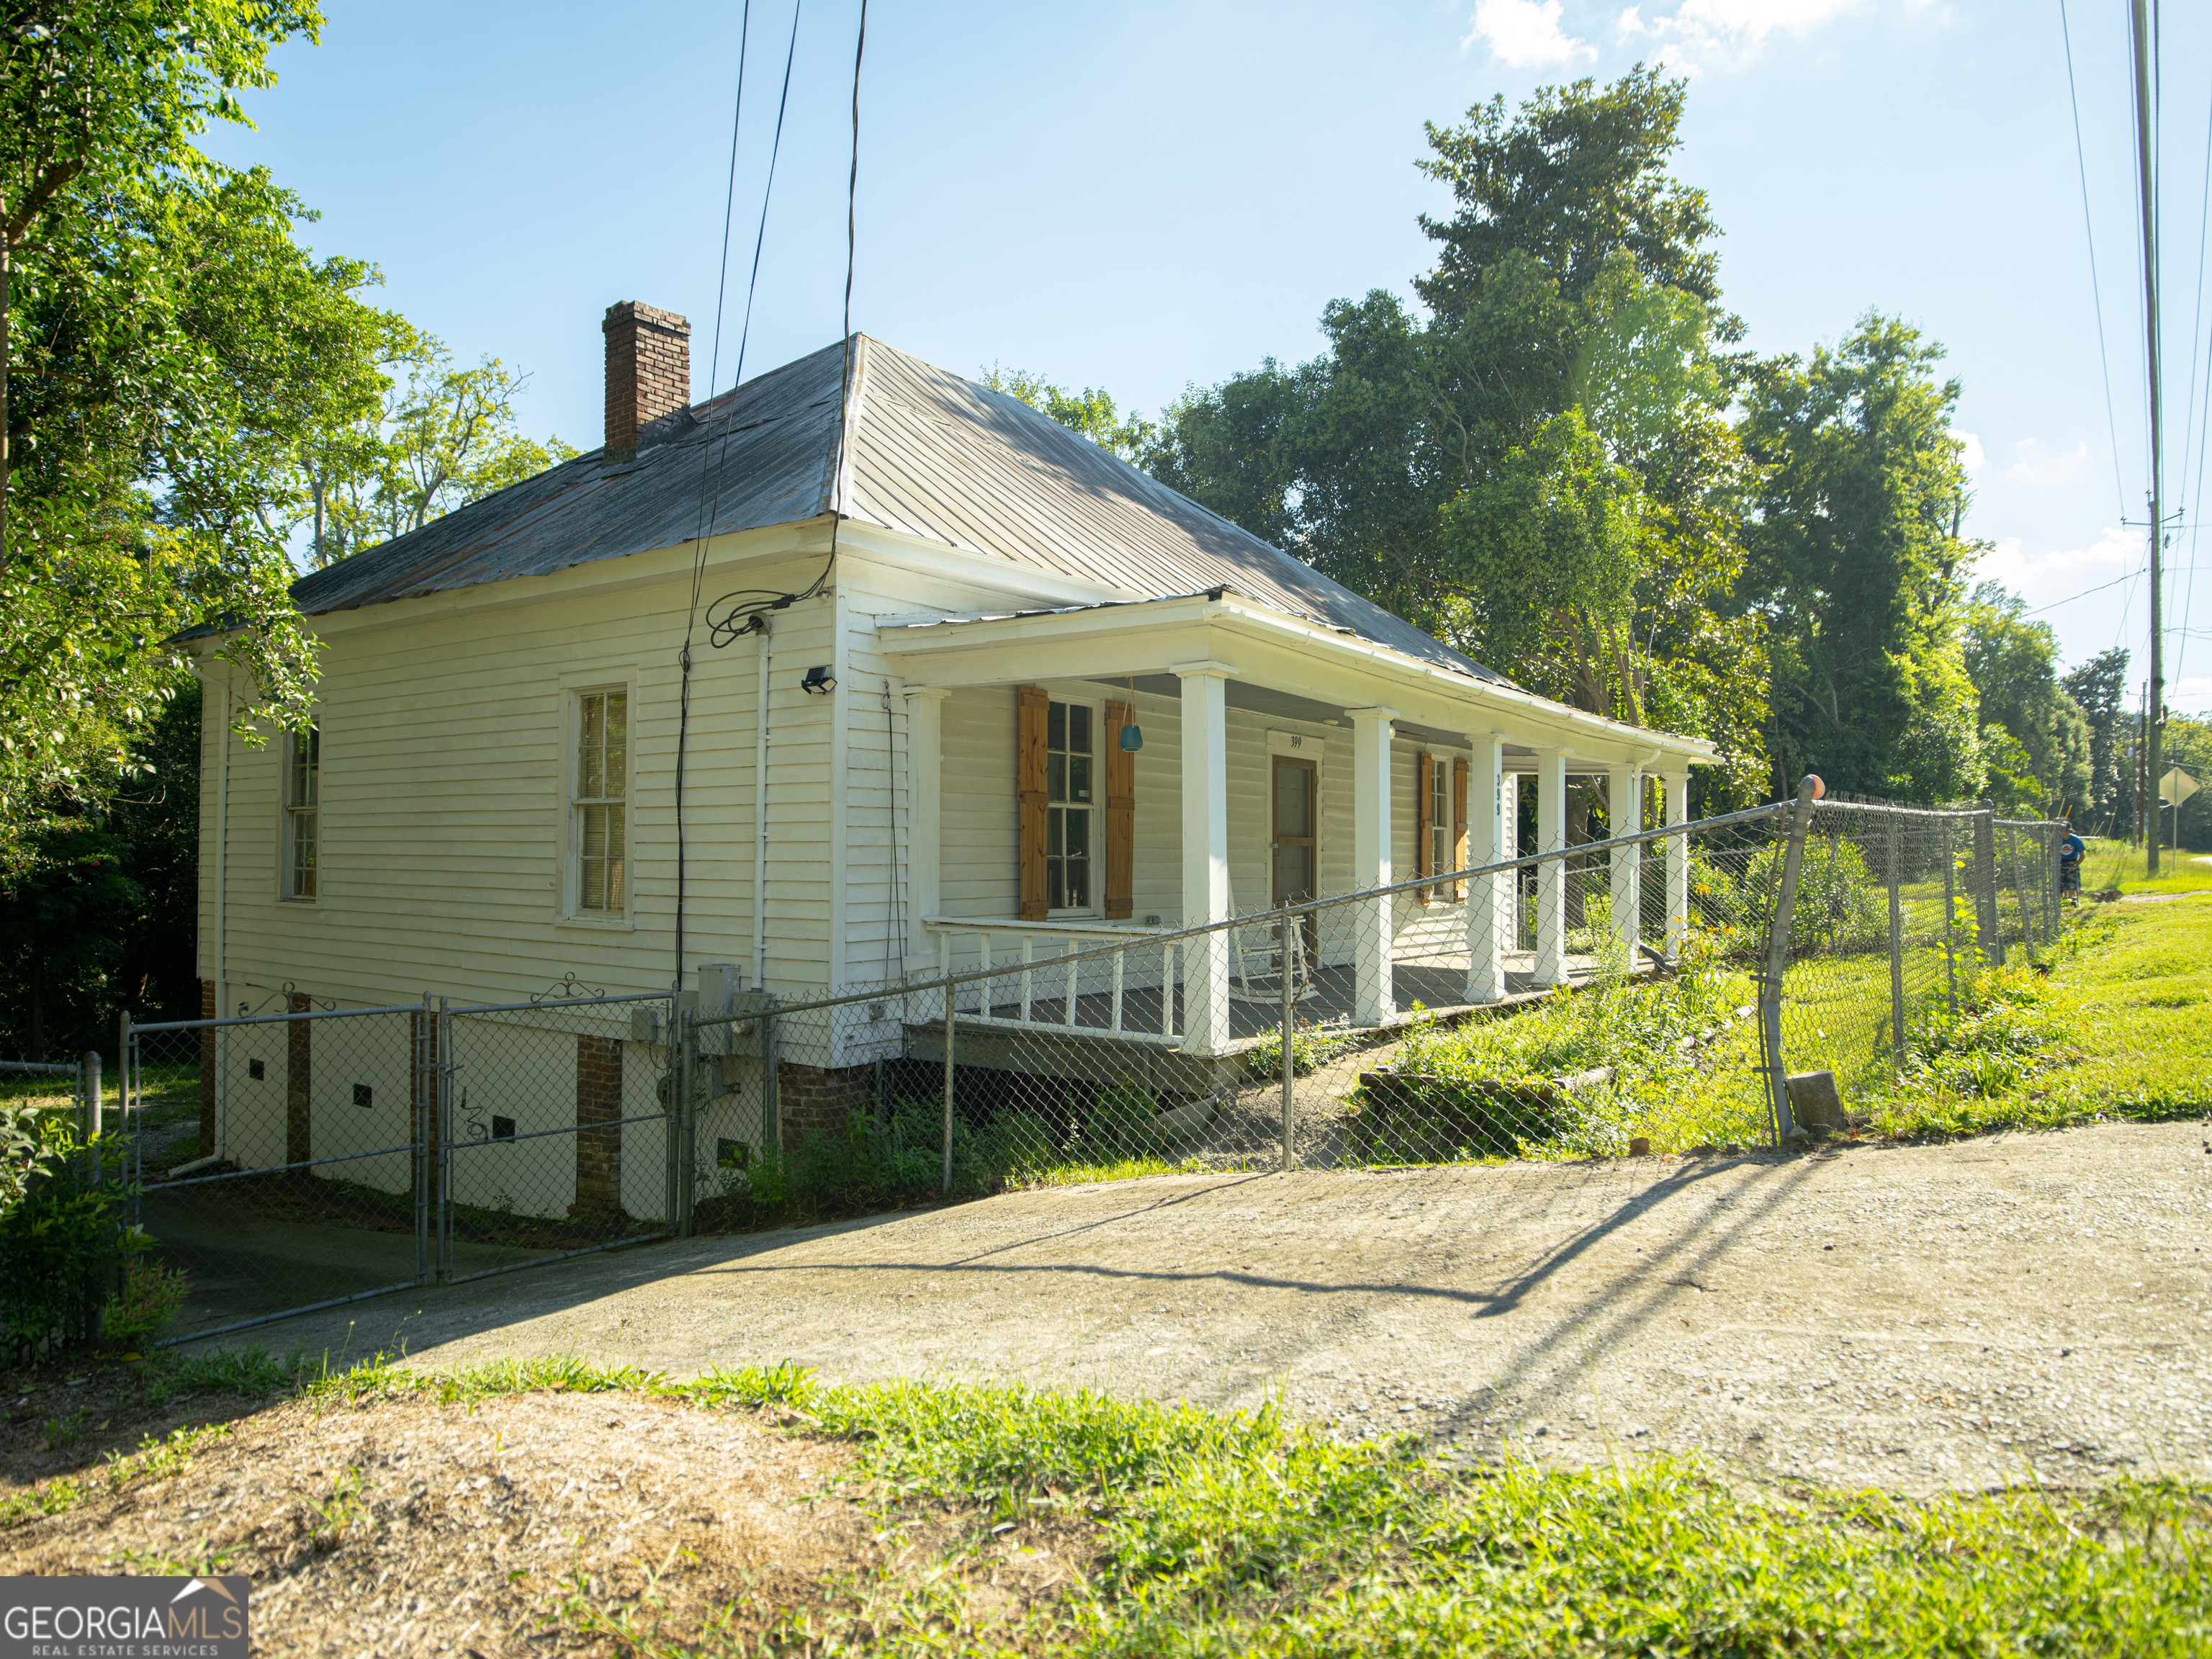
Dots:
pixel 1262 654
pixel 1267 701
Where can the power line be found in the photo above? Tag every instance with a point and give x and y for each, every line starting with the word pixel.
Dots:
pixel 737 613
pixel 2085 593
pixel 2203 422
pixel 699 552
pixel 2096 287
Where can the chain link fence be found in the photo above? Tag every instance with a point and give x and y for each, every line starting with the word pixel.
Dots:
pixel 291 1160
pixel 1597 997
pixel 1895 914
pixel 1715 984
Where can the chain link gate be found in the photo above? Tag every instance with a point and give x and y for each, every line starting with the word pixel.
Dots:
pixel 290 1161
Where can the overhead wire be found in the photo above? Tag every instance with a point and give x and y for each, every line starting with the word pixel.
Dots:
pixel 740 612
pixel 699 555
pixel 2096 286
pixel 2202 418
pixel 2086 593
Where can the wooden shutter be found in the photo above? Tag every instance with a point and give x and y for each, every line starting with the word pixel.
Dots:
pixel 1459 827
pixel 1424 784
pixel 1121 817
pixel 1029 709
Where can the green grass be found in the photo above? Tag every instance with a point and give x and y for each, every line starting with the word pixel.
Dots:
pixel 1222 1533
pixel 1673 1096
pixel 2115 864
pixel 2114 1032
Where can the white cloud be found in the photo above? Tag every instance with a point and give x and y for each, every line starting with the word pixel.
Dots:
pixel 2049 468
pixel 1525 33
pixel 2048 578
pixel 1970 449
pixel 1727 28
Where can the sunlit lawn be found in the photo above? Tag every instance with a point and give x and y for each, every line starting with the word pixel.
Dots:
pixel 2115 864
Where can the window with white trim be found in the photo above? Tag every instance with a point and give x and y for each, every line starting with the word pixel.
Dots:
pixel 1443 855
pixel 1070 804
pixel 302 812
pixel 599 804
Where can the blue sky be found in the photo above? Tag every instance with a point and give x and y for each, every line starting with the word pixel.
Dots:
pixel 1146 196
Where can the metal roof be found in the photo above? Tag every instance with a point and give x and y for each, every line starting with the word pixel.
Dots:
pixel 931 455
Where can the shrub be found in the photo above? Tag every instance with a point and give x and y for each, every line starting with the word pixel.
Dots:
pixel 1499 1093
pixel 1310 1047
pixel 63 1239
pixel 140 1314
pixel 895 1156
pixel 1842 905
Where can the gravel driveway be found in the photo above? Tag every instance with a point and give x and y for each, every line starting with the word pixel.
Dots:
pixel 2028 1306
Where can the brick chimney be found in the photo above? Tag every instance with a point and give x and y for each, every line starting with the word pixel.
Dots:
pixel 648 370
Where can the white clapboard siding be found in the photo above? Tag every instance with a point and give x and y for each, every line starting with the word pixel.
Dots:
pixel 444 824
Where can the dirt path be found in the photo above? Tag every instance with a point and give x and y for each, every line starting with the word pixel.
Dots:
pixel 1913 1317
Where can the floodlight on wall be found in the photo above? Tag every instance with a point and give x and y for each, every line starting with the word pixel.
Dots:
pixel 819 681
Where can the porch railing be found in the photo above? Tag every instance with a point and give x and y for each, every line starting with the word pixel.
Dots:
pixel 1045 984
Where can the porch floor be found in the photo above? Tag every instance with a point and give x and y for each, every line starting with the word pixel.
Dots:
pixel 1436 984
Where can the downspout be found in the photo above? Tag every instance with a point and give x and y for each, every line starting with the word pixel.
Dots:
pixel 221 937
pixel 761 656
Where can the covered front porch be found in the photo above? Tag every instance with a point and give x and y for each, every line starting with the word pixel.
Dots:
pixel 1114 774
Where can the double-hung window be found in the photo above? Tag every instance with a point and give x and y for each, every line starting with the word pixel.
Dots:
pixel 1070 804
pixel 1443 856
pixel 599 805
pixel 302 812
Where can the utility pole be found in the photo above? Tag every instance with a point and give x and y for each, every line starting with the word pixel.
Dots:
pixel 2146 180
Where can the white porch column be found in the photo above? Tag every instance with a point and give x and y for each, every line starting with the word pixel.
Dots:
pixel 1205 855
pixel 1490 821
pixel 1371 920
pixel 1677 784
pixel 1623 816
pixel 924 815
pixel 1552 876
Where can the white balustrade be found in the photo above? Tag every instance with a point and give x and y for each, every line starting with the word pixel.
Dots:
pixel 1046 1000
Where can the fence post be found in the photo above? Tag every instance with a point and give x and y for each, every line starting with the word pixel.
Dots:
pixel 418 1112
pixel 1778 959
pixel 678 1122
pixel 132 1166
pixel 440 1150
pixel 1988 938
pixel 87 1076
pixel 771 1079
pixel 2027 940
pixel 1289 1017
pixel 1950 917
pixel 2047 843
pixel 123 1086
pixel 1896 954
pixel 945 1185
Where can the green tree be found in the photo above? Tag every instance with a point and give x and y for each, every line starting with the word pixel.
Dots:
pixel 167 350
pixel 1577 174
pixel 64 894
pixel 444 437
pixel 2099 688
pixel 1542 470
pixel 1090 413
pixel 2028 715
pixel 1856 561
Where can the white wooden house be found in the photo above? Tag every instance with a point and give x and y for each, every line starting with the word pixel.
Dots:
pixel 918 747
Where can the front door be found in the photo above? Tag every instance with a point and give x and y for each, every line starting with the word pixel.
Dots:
pixel 1294 848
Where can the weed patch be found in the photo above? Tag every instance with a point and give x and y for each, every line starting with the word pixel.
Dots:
pixel 1242 1533
pixel 1679 1065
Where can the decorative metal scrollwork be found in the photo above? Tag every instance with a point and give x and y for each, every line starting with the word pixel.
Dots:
pixel 284 993
pixel 567 988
